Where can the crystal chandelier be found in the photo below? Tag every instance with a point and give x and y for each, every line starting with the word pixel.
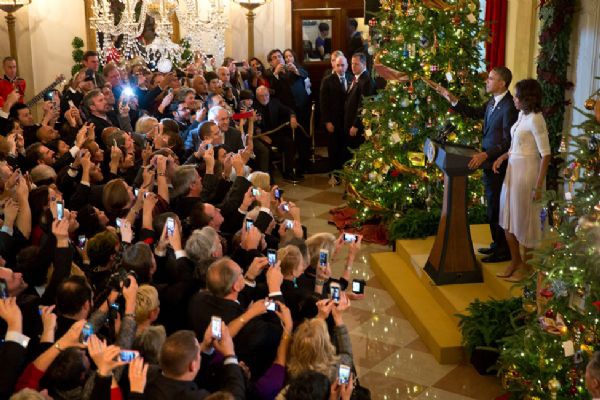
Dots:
pixel 204 26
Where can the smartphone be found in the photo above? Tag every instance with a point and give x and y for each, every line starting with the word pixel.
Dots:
pixel 170 90
pixel 86 332
pixel 271 305
pixel 3 289
pixel 81 239
pixel 238 64
pixel 272 257
pixel 343 374
pixel 146 195
pixel 128 355
pixel 278 193
pixel 358 286
pixel 128 92
pixel 49 96
pixel 255 192
pixel 119 222
pixel 323 258
pixel 215 327
pixel 349 238
pixel 71 104
pixel 136 191
pixel 208 146
pixel 334 291
pixel 60 210
pixel 285 207
pixel 170 226
pixel 289 224
pixel 249 223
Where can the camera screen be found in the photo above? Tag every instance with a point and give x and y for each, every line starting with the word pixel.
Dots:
pixel 255 192
pixel 344 374
pixel 60 210
pixel 356 287
pixel 272 257
pixel 170 226
pixel 3 289
pixel 215 326
pixel 271 305
pixel 335 293
pixel 278 194
pixel 323 258
pixel 348 237
pixel 86 332
pixel 289 224
pixel 249 224
pixel 81 241
pixel 127 355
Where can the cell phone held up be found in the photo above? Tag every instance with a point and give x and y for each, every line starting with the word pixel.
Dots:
pixel 215 327
pixel 358 286
pixel 272 257
pixel 60 210
pixel 3 289
pixel 335 292
pixel 350 238
pixel 170 226
pixel 323 258
pixel 343 374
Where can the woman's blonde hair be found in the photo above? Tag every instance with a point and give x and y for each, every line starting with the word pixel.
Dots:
pixel 311 349
pixel 317 242
pixel 146 300
pixel 115 196
pixel 290 258
pixel 261 180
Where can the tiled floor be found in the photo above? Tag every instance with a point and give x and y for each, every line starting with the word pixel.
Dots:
pixel 391 359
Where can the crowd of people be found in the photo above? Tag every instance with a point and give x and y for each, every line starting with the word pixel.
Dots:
pixel 145 251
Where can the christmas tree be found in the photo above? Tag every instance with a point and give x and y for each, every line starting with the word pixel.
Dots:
pixel 427 42
pixel 547 357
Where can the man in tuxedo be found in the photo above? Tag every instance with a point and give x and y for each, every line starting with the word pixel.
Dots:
pixel 498 114
pixel 332 100
pixel 361 85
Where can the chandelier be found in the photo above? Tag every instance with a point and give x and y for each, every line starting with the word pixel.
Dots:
pixel 203 21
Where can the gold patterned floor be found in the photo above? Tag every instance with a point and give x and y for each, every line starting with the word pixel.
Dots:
pixel 391 359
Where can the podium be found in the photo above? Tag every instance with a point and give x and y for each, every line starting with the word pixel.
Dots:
pixel 452 259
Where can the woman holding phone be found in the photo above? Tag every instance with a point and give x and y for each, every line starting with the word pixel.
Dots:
pixel 528 160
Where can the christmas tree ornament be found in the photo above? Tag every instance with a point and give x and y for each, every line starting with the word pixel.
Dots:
pixel 554 386
pixel 405 102
pixel 400 38
pixel 372 22
pixel 472 7
pixel 589 104
pixel 597 111
pixel 562 148
pixel 420 18
pixel 423 41
pixel 471 18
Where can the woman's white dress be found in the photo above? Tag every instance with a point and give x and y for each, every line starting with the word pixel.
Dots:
pixel 519 214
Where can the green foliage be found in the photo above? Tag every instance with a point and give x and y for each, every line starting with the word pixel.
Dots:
pixel 421 42
pixel 552 64
pixel 77 54
pixel 570 263
pixel 485 324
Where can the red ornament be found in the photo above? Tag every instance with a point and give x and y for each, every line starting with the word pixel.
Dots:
pixel 558 245
pixel 573 390
pixel 372 22
pixel 547 293
pixel 394 173
pixel 549 313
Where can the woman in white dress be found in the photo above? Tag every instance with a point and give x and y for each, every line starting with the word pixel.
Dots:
pixel 528 160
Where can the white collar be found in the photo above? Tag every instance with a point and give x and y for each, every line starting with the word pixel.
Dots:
pixel 499 97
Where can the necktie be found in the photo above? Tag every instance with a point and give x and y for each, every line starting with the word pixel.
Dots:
pixel 343 82
pixel 352 84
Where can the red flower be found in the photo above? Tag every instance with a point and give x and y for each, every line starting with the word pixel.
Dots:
pixel 597 305
pixel 394 173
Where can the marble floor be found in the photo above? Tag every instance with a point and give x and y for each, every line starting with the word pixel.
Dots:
pixel 392 361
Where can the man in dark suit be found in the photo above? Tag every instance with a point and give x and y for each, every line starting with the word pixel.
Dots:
pixel 498 114
pixel 332 100
pixel 361 85
pixel 271 114
pixel 225 282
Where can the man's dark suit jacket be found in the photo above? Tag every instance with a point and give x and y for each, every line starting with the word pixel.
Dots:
pixel 255 343
pixel 272 115
pixel 496 127
pixel 332 99
pixel 233 140
pixel 354 99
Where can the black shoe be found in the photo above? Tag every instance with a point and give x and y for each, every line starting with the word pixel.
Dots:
pixel 485 250
pixel 496 258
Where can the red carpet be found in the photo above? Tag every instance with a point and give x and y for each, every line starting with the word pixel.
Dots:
pixel 344 219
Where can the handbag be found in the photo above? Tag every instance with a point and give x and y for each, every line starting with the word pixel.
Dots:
pixel 360 392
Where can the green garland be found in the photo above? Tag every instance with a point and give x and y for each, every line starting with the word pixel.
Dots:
pixel 556 18
pixel 77 55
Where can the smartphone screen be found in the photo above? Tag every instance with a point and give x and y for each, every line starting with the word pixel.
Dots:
pixel 60 210
pixel 3 289
pixel 343 374
pixel 272 257
pixel 118 222
pixel 271 305
pixel 170 226
pixel 255 192
pixel 136 191
pixel 349 238
pixel 128 355
pixel 358 286
pixel 285 207
pixel 86 332
pixel 249 224
pixel 215 327
pixel 81 239
pixel 289 224
pixel 323 257
pixel 335 292
pixel 278 193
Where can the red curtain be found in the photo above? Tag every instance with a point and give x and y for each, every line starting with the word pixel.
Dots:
pixel 495 20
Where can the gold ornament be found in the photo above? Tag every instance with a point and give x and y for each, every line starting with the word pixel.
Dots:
pixel 371 204
pixel 529 307
pixel 554 386
pixel 589 104
pixel 400 38
pixel 377 164
pixel 472 7
pixel 420 18
pixel 597 111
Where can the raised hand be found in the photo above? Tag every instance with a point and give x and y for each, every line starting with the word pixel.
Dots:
pixel 138 372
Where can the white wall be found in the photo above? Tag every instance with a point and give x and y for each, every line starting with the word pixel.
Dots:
pixel 584 60
pixel 272 29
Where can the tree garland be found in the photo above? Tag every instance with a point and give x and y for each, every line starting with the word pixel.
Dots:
pixel 556 18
